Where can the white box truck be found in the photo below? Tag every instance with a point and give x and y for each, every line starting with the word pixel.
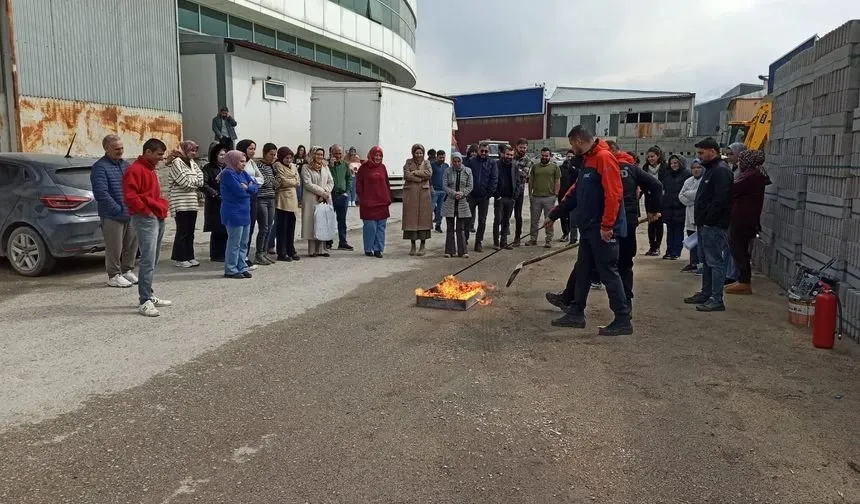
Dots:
pixel 364 114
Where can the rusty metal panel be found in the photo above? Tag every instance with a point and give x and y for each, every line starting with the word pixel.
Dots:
pixel 48 126
pixel 122 53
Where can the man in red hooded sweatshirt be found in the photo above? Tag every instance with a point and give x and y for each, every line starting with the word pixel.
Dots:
pixel 148 210
pixel 597 196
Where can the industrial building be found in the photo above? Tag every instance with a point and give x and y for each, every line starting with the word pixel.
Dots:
pixel 636 119
pixel 71 78
pixel 60 81
pixel 500 115
pixel 711 115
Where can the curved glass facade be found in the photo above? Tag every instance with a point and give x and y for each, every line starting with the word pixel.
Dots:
pixel 392 14
pixel 201 19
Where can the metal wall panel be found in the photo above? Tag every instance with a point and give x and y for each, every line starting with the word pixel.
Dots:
pixel 498 128
pixel 100 51
pixel 500 103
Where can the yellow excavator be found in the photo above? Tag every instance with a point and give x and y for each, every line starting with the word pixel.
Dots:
pixel 755 132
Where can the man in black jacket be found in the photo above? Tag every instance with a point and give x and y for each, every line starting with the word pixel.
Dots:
pixel 712 213
pixel 569 172
pixel 633 179
pixel 510 187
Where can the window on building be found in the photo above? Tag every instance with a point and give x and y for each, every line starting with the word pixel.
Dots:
pixel 659 117
pixel 353 64
pixel 366 68
pixel 213 22
pixel 632 118
pixel 241 29
pixel 286 43
pixel 275 90
pixel 323 55
pixel 684 115
pixel 338 59
pixel 305 49
pixel 645 117
pixel 189 15
pixel 265 36
pixel 374 71
pixel 558 126
pixel 359 7
pixel 673 116
pixel 375 11
pixel 388 18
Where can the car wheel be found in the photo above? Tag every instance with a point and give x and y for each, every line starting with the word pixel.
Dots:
pixel 27 252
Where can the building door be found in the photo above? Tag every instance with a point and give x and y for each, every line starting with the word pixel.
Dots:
pixel 613 125
pixel 589 122
pixel 558 126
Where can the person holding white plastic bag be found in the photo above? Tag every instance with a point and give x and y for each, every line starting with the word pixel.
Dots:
pixel 687 196
pixel 318 184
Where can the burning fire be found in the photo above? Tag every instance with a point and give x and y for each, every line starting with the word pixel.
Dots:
pixel 451 288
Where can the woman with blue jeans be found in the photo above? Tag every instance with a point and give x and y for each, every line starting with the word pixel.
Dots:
pixel 237 189
pixel 354 164
pixel 374 196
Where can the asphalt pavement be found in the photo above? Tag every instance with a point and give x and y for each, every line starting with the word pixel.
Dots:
pixel 324 384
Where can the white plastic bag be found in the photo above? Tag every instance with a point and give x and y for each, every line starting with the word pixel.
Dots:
pixel 691 241
pixel 325 222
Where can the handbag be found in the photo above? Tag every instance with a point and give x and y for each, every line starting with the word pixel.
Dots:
pixel 325 222
pixel 691 241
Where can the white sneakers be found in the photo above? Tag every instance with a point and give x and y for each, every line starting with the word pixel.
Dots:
pixel 119 281
pixel 183 264
pixel 130 276
pixel 150 308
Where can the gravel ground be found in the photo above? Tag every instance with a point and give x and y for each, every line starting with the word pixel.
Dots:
pixel 366 398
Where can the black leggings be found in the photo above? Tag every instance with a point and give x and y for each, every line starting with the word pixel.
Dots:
pixel 740 243
pixel 655 234
pixel 285 229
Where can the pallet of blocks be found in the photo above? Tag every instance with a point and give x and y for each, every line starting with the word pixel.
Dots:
pixel 812 210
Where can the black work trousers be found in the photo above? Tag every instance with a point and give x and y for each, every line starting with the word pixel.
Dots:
pixel 479 206
pixel 502 209
pixel 596 254
pixel 626 253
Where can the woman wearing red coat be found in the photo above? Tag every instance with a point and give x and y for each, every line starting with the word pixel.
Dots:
pixel 374 197
pixel 747 203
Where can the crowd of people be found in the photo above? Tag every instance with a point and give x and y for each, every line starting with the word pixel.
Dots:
pixel 245 189
pixel 717 202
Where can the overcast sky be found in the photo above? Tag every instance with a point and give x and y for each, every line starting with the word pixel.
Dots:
pixel 703 46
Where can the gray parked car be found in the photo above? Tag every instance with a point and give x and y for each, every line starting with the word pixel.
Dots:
pixel 47 211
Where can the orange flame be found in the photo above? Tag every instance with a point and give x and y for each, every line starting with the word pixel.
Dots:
pixel 451 288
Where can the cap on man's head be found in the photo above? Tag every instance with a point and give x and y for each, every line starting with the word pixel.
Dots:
pixel 708 143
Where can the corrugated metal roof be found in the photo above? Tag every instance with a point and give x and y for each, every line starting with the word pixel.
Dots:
pixel 118 53
pixel 577 94
pixel 515 102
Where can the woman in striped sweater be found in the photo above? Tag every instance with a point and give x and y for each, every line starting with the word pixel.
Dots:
pixel 184 180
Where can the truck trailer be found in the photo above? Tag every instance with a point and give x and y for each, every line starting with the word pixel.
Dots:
pixel 364 114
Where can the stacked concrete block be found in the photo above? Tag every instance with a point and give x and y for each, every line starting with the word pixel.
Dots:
pixel 814 163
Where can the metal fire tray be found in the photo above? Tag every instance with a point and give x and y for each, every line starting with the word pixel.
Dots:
pixel 448 304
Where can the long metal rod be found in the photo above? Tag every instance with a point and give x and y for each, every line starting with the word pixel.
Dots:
pixel 491 254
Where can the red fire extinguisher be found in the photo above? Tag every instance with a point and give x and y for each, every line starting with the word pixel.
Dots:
pixel 827 308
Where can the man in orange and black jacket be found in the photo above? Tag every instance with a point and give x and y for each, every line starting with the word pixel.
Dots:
pixel 597 196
